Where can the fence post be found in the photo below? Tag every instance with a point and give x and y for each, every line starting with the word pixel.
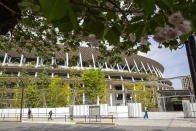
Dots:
pixel 55 112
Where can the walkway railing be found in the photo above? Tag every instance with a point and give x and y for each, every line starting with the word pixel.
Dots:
pixel 65 117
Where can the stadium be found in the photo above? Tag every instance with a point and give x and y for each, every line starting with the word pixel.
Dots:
pixel 134 69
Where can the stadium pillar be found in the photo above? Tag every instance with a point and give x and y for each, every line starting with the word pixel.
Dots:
pixel 111 101
pixel 21 103
pixel 191 54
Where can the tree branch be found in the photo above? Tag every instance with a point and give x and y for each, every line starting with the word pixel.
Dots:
pixel 9 8
pixel 120 10
pixel 92 6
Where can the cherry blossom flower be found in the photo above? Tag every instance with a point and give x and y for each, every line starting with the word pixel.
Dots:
pixel 167 33
pixel 176 18
pixel 184 28
pixel 171 34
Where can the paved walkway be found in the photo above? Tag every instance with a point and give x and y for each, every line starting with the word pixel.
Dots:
pixel 180 122
pixel 157 122
pixel 15 126
pixel 124 122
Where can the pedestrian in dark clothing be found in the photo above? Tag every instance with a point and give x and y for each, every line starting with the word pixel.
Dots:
pixel 50 115
pixel 146 111
pixel 29 113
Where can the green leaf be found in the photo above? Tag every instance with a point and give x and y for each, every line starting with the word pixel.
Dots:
pixel 136 18
pixel 148 6
pixel 183 38
pixel 146 48
pixel 137 28
pixel 25 4
pixel 73 18
pixel 55 9
pixel 95 27
pixel 168 3
pixel 36 8
pixel 64 25
pixel 113 36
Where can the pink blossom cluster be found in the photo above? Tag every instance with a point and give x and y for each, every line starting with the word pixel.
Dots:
pixel 143 40
pixel 167 33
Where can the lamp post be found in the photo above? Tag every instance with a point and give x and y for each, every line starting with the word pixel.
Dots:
pixel 191 54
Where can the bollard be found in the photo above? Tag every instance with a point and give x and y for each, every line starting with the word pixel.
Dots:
pixel 112 118
pixel 65 118
pixel 85 118
pixel 96 118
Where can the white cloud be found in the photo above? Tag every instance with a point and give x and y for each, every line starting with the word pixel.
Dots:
pixel 175 62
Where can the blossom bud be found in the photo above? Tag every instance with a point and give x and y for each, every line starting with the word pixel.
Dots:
pixel 132 37
pixel 144 40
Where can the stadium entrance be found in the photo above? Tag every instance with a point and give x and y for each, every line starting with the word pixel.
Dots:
pixel 171 100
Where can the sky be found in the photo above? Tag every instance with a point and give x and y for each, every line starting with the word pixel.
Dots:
pixel 174 62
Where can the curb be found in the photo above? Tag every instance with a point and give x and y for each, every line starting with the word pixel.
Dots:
pixel 10 121
pixel 83 123
pixel 53 122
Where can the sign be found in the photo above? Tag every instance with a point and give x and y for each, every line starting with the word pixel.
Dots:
pixel 94 111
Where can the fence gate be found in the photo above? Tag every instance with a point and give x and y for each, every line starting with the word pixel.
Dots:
pixel 94 114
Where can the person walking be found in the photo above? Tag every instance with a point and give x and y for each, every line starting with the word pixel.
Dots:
pixel 146 111
pixel 29 113
pixel 50 115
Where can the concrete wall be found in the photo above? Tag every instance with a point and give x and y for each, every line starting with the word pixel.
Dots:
pixel 132 110
pixel 118 111
pixel 189 109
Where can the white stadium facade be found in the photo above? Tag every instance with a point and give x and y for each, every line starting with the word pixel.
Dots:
pixel 133 69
